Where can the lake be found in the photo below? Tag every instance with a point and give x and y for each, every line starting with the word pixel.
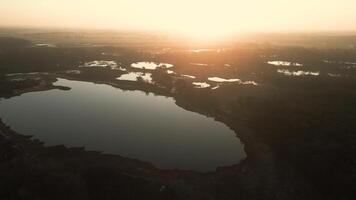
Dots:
pixel 129 123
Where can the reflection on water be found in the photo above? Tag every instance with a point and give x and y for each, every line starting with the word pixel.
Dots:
pixel 248 83
pixel 350 63
pixel 334 75
pixel 348 67
pixel 170 72
pixel 188 76
pixel 201 85
pixel 284 63
pixel 150 65
pixel 199 64
pixel 18 79
pixel 73 72
pixel 221 80
pixel 122 69
pixel 339 62
pixel 13 74
pixel 216 87
pixel 46 45
pixel 29 73
pixel 130 123
pixel 101 64
pixel 134 76
pixel 217 79
pixel 297 73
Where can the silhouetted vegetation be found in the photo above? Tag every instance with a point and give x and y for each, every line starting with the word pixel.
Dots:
pixel 298 131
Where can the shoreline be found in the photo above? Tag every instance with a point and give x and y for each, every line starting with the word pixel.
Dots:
pixel 259 163
pixel 47 84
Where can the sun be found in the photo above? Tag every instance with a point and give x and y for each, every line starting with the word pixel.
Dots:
pixel 207 33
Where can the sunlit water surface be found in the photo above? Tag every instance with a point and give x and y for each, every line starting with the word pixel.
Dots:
pixel 129 123
pixel 150 65
pixel 134 76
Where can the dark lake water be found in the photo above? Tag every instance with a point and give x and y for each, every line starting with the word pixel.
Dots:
pixel 129 123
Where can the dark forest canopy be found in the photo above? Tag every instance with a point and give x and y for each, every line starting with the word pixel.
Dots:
pixel 10 42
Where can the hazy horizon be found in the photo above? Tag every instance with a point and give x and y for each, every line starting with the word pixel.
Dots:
pixel 207 19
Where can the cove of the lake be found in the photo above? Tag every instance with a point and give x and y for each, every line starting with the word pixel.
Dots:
pixel 128 123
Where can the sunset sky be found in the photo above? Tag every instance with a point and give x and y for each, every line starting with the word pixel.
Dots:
pixel 195 17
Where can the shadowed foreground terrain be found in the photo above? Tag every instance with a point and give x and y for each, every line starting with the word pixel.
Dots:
pixel 296 122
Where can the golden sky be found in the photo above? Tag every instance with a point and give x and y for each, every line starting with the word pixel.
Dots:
pixel 194 17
